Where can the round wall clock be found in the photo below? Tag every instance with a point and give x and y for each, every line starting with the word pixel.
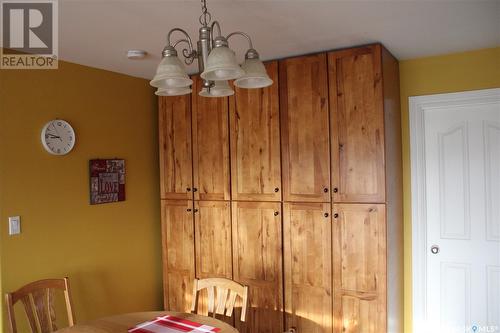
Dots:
pixel 58 137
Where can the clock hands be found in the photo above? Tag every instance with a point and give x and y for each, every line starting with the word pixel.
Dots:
pixel 53 136
pixel 58 136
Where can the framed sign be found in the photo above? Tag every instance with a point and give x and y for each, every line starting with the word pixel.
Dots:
pixel 107 181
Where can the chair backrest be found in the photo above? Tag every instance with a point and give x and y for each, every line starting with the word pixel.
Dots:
pixel 38 300
pixel 221 296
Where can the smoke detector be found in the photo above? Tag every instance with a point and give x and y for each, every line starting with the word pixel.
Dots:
pixel 136 54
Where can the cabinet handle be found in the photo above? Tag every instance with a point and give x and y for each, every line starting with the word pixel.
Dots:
pixel 326 214
pixel 196 210
pixel 325 190
pixel 195 189
pixel 188 189
pixel 335 215
pixel 276 189
pixel 335 190
pixel 188 210
pixel 276 213
pixel 291 330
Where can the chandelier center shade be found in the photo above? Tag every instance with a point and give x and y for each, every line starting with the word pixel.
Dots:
pixel 217 63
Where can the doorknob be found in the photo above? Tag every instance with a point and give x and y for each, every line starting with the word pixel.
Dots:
pixel 435 249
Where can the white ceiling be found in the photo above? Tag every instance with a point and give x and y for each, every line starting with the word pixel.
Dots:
pixel 99 33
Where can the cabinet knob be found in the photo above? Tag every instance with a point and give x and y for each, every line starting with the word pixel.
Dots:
pixel 276 213
pixel 335 215
pixel 188 189
pixel 326 214
pixel 188 210
pixel 291 330
pixel 195 189
pixel 325 190
pixel 196 210
pixel 335 190
pixel 276 189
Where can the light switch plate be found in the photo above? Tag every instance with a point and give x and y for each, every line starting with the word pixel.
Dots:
pixel 14 225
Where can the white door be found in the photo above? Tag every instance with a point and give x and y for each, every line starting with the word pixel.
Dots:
pixel 462 213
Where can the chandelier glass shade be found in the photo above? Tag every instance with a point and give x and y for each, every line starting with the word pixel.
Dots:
pixel 173 91
pixel 216 62
pixel 222 65
pixel 255 75
pixel 171 74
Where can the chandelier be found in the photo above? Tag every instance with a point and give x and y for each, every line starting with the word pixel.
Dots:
pixel 216 62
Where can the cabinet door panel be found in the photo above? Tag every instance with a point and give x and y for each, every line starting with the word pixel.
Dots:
pixel 359 315
pixel 360 266
pixel 212 221
pixel 308 261
pixel 305 129
pixel 178 254
pixel 176 173
pixel 255 142
pixel 213 239
pixel 257 263
pixel 210 146
pixel 358 170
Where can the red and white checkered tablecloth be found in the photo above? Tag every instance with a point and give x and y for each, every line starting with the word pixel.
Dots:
pixel 171 324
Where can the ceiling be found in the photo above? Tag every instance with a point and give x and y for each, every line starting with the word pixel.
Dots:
pixel 99 33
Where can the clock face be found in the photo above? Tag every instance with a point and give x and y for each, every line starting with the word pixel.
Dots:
pixel 58 137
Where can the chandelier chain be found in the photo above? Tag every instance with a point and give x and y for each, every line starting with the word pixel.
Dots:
pixel 205 17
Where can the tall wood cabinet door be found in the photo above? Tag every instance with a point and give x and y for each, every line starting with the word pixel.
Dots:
pixel 357 114
pixel 359 269
pixel 305 129
pixel 308 267
pixel 210 146
pixel 213 239
pixel 255 142
pixel 178 254
pixel 257 263
pixel 176 175
pixel 212 224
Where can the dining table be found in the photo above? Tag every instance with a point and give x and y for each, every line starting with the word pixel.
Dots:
pixel 123 322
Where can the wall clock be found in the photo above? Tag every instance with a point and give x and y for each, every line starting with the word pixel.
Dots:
pixel 58 137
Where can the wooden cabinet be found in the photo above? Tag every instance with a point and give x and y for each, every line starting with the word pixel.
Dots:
pixel 178 254
pixel 254 177
pixel 255 142
pixel 175 147
pixel 357 114
pixel 210 146
pixel 305 129
pixel 308 267
pixel 257 263
pixel 359 269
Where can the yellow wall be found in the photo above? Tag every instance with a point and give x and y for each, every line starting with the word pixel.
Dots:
pixel 111 252
pixel 442 74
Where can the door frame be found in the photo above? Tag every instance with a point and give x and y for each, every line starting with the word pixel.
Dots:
pixel 417 106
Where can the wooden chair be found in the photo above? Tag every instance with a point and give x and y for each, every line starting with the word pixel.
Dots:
pixel 38 300
pixel 221 296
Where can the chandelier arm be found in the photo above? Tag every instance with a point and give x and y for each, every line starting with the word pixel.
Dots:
pixel 216 24
pixel 190 54
pixel 187 39
pixel 240 33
